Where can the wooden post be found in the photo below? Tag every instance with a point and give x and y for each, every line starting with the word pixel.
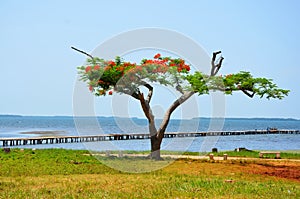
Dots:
pixel 120 154
pixel 225 156
pixel 211 156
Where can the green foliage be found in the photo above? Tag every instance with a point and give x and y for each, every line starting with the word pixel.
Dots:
pixel 198 82
pixel 242 81
pixel 261 87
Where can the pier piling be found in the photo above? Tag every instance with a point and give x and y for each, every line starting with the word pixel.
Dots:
pixel 4 142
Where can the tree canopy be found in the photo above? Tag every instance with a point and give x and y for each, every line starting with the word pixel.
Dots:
pixel 108 76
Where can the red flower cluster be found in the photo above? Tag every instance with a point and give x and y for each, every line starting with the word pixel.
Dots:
pixel 165 62
pixel 183 67
pixel 125 66
pixel 157 56
pixel 180 64
pixel 111 63
pixel 97 67
pixel 90 68
pixel 161 69
pixel 114 70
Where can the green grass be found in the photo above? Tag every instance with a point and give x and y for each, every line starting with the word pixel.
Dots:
pixel 59 173
pixel 49 162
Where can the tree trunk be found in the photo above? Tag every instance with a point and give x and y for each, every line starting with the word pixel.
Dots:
pixel 155 142
pixel 155 148
pixel 156 136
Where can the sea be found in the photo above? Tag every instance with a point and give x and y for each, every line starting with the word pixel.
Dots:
pixel 37 126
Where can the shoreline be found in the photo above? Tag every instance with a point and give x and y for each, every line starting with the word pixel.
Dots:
pixel 200 133
pixel 139 118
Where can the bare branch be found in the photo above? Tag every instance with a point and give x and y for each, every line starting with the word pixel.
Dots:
pixel 220 62
pixel 216 67
pixel 215 55
pixel 82 52
pixel 251 95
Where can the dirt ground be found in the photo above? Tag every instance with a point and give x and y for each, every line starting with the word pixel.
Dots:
pixel 281 169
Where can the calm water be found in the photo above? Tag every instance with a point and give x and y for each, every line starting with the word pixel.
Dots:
pixel 26 126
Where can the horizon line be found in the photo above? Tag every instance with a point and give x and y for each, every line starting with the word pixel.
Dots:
pixel 204 117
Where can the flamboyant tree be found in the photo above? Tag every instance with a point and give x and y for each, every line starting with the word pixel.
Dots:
pixel 117 76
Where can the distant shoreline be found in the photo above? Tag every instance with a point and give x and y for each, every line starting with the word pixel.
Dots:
pixel 195 118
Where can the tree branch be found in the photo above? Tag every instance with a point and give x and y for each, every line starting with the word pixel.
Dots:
pixel 215 55
pixel 251 95
pixel 128 92
pixel 145 107
pixel 148 113
pixel 216 67
pixel 223 89
pixel 135 95
pixel 169 112
pixel 82 52
pixel 178 87
pixel 150 93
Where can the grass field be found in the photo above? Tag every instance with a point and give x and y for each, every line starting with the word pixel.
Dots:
pixel 58 173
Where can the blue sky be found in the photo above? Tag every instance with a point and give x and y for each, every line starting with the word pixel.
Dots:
pixel 38 68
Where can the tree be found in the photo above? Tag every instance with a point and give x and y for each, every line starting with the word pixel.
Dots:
pixel 108 76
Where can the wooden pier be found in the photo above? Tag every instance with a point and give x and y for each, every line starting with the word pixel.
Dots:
pixel 5 142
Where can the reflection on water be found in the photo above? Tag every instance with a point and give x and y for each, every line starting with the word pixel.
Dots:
pixel 43 133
